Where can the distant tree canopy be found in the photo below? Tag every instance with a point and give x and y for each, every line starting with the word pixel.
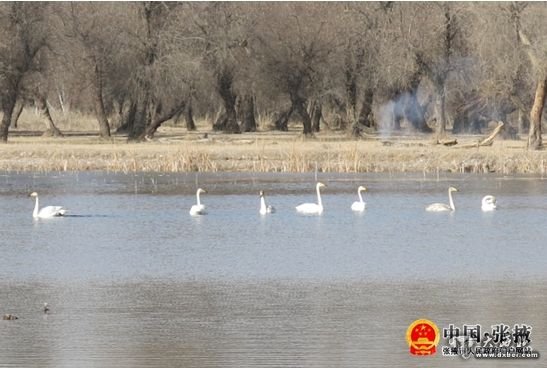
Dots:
pixel 358 66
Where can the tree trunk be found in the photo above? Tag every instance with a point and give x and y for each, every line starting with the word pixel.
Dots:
pixel 281 120
pixel 306 120
pixel 62 101
pixel 441 113
pixel 316 115
pixel 225 90
pixel 523 122
pixel 159 119
pixel 144 101
pixel 51 129
pixel 100 113
pixel 189 116
pixel 142 117
pixel 17 110
pixel 415 113
pixel 534 135
pixel 231 125
pixel 128 118
pixel 119 106
pixel 351 98
pixel 220 124
pixel 365 115
pixel 8 104
pixel 412 110
pixel 248 121
pixel 354 63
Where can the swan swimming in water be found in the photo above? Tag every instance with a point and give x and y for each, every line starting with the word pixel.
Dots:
pixel 488 203
pixel 198 209
pixel 264 209
pixel 439 207
pixel 359 206
pixel 313 208
pixel 46 212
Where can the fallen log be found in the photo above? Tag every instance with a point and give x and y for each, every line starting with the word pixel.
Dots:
pixel 488 141
pixel 448 142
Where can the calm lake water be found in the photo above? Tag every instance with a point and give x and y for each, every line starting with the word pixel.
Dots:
pixel 134 281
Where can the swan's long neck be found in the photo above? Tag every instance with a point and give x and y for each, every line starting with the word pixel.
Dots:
pixel 451 201
pixel 262 204
pixel 319 197
pixel 360 196
pixel 197 197
pixel 36 208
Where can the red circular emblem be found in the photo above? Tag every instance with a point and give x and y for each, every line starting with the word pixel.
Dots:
pixel 422 337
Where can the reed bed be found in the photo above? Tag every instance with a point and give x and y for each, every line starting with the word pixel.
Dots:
pixel 264 153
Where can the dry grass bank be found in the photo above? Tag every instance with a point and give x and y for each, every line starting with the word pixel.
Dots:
pixel 176 150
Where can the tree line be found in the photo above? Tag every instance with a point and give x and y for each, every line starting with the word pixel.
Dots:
pixel 354 66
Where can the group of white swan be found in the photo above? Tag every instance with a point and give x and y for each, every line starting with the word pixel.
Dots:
pixel 488 204
pixel 304 208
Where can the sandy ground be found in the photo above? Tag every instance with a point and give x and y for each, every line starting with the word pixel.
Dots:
pixel 175 150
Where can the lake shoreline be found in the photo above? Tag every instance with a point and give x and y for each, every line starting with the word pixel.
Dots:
pixel 268 152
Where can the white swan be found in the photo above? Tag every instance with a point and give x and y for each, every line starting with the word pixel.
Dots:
pixel 198 209
pixel 439 207
pixel 488 203
pixel 264 209
pixel 313 208
pixel 46 212
pixel 359 206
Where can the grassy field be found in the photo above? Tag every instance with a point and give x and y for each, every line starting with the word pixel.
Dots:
pixel 175 150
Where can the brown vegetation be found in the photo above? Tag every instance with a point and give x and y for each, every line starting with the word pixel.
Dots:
pixel 176 150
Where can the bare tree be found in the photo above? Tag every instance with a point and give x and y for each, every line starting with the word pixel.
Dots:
pixel 137 65
pixel 399 76
pixel 438 45
pixel 295 47
pixel 91 33
pixel 223 27
pixel 519 76
pixel 532 35
pixel 155 67
pixel 537 58
pixel 24 36
pixel 495 86
pixel 248 120
pixel 364 30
